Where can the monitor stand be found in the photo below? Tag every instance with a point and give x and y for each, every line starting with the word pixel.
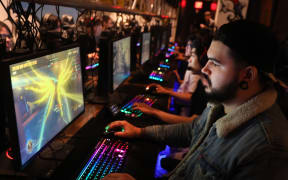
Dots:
pixel 4 141
pixel 94 99
pixel 42 167
pixel 7 168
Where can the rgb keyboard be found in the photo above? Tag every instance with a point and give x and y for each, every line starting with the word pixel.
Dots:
pixel 108 157
pixel 164 66
pixel 127 109
pixel 157 75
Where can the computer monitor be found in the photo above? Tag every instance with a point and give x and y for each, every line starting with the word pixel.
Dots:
pixel 44 95
pixel 145 53
pixel 164 40
pixel 121 60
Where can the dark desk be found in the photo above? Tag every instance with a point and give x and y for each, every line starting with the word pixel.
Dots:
pixel 140 162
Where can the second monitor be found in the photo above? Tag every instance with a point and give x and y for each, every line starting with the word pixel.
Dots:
pixel 145 53
pixel 114 66
pixel 121 60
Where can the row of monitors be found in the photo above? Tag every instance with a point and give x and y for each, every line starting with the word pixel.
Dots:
pixel 118 67
pixel 122 58
pixel 44 93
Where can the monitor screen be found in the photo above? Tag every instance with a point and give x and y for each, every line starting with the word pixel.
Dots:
pixel 145 55
pixel 121 60
pixel 48 95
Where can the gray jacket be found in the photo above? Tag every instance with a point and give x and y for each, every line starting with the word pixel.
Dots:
pixel 250 142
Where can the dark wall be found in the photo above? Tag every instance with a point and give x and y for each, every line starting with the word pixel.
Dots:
pixel 260 11
pixel 189 19
pixel 184 20
pixel 279 20
pixel 272 13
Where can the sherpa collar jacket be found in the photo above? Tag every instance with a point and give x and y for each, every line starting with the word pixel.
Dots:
pixel 249 143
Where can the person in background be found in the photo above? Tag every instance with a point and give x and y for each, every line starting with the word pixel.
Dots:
pixel 190 95
pixel 107 23
pixel 6 37
pixel 242 133
pixel 97 30
pixel 188 47
pixel 208 22
pixel 69 28
pixel 51 31
pixel 207 28
pixel 187 53
pixel 91 42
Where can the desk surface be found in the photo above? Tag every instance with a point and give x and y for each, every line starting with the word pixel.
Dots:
pixel 91 111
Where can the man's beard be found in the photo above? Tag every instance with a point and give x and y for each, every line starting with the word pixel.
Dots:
pixel 223 94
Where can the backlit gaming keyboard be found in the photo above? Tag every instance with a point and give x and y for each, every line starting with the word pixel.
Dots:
pixel 108 157
pixel 128 110
pixel 164 66
pixel 157 75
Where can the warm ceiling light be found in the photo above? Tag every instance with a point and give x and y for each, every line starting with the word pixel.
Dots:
pixel 213 6
pixel 198 5
pixel 183 3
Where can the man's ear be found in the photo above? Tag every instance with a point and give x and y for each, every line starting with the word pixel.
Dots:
pixel 249 73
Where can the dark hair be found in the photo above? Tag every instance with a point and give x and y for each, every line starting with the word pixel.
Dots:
pixel 250 43
pixel 200 51
pixel 198 46
pixel 191 38
pixel 3 25
pixel 67 20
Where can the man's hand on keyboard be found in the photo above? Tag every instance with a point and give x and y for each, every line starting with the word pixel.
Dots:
pixel 129 131
pixel 158 88
pixel 146 109
pixel 118 176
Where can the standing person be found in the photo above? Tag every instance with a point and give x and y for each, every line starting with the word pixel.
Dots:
pixel 243 133
pixel 208 22
pixel 207 28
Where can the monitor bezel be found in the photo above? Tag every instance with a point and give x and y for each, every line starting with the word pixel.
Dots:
pixel 10 109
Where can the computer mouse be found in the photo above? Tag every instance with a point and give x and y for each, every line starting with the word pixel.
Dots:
pixel 151 89
pixel 109 130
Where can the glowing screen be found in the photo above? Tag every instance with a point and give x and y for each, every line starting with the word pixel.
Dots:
pixel 48 95
pixel 145 55
pixel 121 60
